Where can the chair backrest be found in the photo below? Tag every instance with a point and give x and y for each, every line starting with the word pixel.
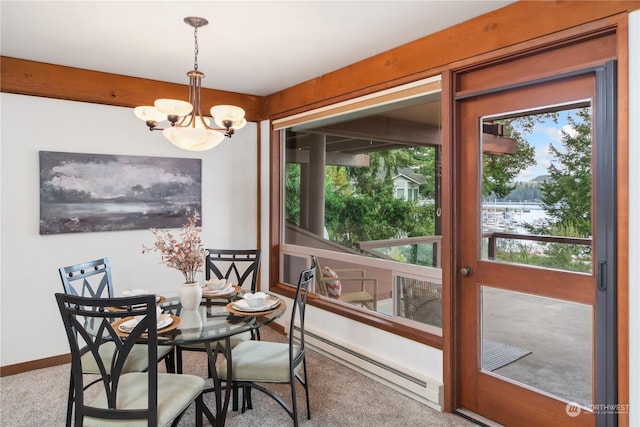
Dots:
pixel 90 279
pixel 85 337
pixel 321 287
pixel 298 313
pixel 243 263
pixel 327 281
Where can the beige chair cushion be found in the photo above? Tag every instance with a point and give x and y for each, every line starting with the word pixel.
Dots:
pixel 259 361
pixel 137 360
pixel 358 296
pixel 175 394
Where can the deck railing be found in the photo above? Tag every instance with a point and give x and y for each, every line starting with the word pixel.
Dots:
pixel 494 236
pixel 372 247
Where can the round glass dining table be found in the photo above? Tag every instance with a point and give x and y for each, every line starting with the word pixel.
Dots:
pixel 213 324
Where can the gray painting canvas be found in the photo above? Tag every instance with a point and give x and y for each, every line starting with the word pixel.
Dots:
pixel 98 192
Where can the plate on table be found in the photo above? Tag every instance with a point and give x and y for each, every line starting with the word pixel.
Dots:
pixel 127 326
pixel 137 292
pixel 159 300
pixel 241 305
pixel 228 289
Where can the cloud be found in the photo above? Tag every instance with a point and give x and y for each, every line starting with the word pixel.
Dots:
pixel 112 179
pixel 541 139
pixel 554 134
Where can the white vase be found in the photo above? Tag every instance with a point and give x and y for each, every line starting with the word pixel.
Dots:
pixel 190 295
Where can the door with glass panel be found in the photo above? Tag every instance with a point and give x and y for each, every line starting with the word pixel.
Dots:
pixel 533 259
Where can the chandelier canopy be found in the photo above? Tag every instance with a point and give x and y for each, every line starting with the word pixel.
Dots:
pixel 189 129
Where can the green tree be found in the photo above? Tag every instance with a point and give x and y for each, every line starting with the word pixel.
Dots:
pixel 425 158
pixel 361 204
pixel 566 194
pixel 499 170
pixel 292 193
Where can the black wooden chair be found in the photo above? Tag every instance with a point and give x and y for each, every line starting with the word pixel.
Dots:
pixel 93 279
pixel 255 362
pixel 128 398
pixel 241 267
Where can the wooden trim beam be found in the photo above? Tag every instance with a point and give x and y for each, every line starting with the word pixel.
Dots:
pixel 25 77
pixel 332 158
pixel 494 144
pixel 385 129
pixel 516 23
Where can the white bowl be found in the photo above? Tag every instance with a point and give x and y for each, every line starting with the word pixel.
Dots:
pixel 216 284
pixel 256 300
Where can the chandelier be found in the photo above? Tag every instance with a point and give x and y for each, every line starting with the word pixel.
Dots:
pixel 189 129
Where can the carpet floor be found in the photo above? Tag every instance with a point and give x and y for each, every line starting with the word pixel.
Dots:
pixel 339 396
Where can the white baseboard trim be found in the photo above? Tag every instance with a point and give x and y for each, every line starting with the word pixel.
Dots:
pixel 418 387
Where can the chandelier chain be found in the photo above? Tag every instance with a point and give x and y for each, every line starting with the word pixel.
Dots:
pixel 195 50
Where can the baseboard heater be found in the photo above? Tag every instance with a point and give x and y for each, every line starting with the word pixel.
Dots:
pixel 423 389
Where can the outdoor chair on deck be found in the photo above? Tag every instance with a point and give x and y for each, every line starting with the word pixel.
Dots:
pixel 127 398
pixel 93 279
pixel 330 282
pixel 256 362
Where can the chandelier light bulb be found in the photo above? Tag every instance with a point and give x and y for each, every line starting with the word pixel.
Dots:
pixel 148 112
pixel 239 124
pixel 193 139
pixel 173 107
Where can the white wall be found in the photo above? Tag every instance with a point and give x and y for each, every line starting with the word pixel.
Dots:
pixel 31 327
pixel 634 216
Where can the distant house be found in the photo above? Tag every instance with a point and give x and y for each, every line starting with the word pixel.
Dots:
pixel 407 183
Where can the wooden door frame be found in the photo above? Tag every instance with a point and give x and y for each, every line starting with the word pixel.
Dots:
pixel 574 287
pixel 615 27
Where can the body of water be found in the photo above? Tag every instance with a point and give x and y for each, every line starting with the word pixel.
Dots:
pixel 104 216
pixel 511 217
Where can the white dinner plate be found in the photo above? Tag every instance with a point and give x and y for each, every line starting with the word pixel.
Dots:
pixel 226 290
pixel 164 320
pixel 241 305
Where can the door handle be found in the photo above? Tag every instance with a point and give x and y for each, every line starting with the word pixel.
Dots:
pixel 466 271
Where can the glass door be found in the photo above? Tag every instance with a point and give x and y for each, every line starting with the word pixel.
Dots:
pixel 529 261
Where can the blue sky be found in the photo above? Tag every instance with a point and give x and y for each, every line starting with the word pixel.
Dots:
pixel 543 135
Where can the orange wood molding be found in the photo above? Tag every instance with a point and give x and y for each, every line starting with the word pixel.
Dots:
pixel 515 23
pixel 47 362
pixel 75 84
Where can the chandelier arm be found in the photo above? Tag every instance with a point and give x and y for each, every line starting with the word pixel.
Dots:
pixel 195 98
pixel 153 125
pixel 195 86
pixel 184 122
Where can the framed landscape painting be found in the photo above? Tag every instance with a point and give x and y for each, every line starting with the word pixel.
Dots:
pixel 97 192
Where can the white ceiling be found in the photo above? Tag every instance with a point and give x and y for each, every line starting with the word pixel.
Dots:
pixel 252 47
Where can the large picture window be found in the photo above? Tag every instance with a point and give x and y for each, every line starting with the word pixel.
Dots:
pixel 361 192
